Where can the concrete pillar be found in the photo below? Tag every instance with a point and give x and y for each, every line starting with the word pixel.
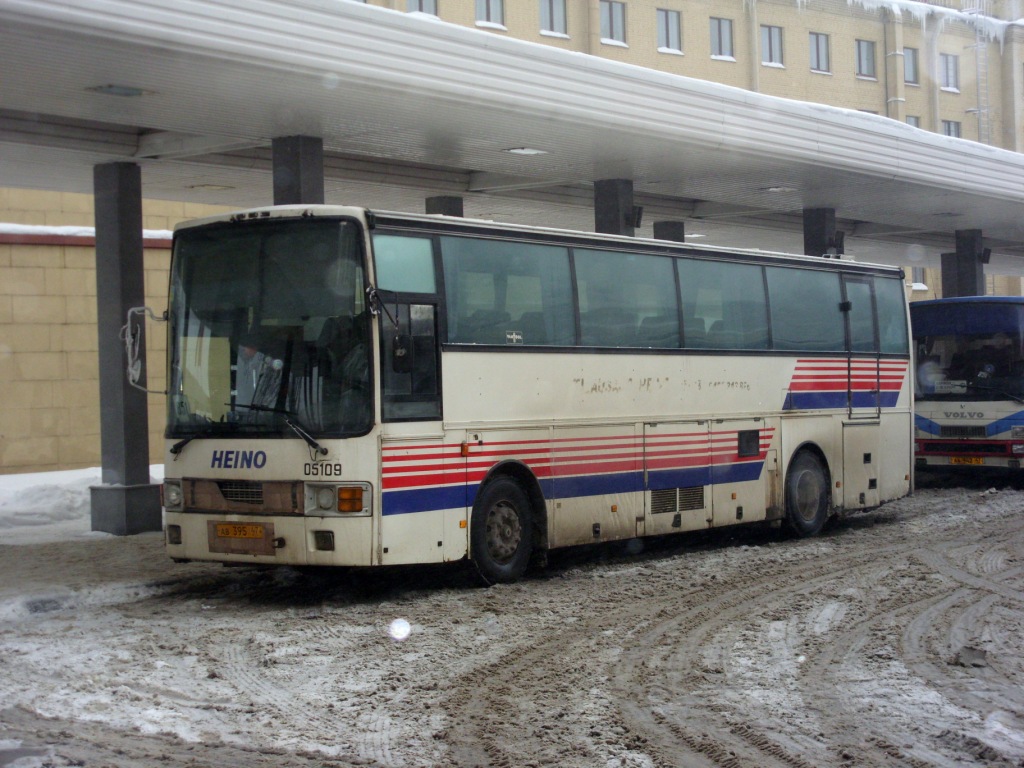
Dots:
pixel 963 272
pixel 445 205
pixel 126 502
pixel 670 230
pixel 820 237
pixel 298 170
pixel 614 212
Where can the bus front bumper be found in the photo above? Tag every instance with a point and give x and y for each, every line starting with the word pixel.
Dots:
pixel 277 540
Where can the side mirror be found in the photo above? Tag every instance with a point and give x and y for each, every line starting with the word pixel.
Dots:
pixel 402 354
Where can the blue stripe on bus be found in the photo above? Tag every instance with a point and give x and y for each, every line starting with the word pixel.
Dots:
pixel 426 499
pixel 678 478
pixel 804 401
pixel 998 427
pixel 592 485
pixel 1005 424
pixel 460 496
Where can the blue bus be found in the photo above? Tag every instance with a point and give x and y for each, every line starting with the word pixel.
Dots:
pixel 969 388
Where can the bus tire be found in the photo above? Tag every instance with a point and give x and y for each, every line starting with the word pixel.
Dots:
pixel 501 531
pixel 807 494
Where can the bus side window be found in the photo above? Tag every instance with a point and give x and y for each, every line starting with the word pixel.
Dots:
pixel 404 264
pixel 805 310
pixel 892 316
pixel 723 305
pixel 502 293
pixel 618 292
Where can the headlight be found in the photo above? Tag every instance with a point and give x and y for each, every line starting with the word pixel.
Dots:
pixel 1017 448
pixel 325 498
pixel 172 495
pixel 350 499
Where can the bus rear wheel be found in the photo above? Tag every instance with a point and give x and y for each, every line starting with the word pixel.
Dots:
pixel 501 531
pixel 807 494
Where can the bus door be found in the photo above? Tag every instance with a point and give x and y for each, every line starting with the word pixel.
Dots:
pixel 864 385
pixel 418 488
pixel 677 476
pixel 862 429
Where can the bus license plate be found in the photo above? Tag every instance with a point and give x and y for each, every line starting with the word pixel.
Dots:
pixel 971 460
pixel 239 531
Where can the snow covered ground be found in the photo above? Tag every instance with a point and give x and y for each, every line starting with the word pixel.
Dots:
pixel 895 639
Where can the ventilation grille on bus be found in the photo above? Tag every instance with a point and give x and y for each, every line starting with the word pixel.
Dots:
pixel 961 432
pixel 241 491
pixel 677 499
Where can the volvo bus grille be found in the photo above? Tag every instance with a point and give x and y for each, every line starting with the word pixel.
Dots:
pixel 959 432
pixel 241 491
pixel 677 499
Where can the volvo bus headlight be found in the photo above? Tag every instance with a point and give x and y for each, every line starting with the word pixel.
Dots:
pixel 337 499
pixel 172 495
pixel 1017 449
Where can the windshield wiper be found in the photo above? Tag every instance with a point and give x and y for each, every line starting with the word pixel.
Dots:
pixel 290 421
pixel 1004 393
pixel 179 446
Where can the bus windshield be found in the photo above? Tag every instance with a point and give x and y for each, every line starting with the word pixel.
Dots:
pixel 269 328
pixel 970 349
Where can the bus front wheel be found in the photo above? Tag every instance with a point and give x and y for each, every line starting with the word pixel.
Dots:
pixel 807 494
pixel 501 531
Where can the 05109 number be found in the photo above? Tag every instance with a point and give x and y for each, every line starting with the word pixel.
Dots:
pixel 323 469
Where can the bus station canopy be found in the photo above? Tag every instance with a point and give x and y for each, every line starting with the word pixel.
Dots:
pixel 408 107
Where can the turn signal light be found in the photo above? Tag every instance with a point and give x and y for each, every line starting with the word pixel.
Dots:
pixel 350 499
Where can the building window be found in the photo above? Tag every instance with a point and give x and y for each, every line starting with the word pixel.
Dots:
pixel 910 68
pixel 771 45
pixel 552 16
pixel 949 71
pixel 423 6
pixel 721 38
pixel 951 128
pixel 914 120
pixel 668 31
pixel 613 21
pixel 490 11
pixel 866 58
pixel 819 53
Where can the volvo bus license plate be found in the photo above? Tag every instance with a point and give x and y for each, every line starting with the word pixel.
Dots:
pixel 971 460
pixel 241 538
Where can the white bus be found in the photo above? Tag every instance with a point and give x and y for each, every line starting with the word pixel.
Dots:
pixel 970 382
pixel 351 388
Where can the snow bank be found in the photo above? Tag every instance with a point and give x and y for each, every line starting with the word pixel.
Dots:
pixel 50 506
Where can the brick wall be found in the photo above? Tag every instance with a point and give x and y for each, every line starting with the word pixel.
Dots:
pixel 49 391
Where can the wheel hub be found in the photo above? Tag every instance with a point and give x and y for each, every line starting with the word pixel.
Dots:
pixel 503 532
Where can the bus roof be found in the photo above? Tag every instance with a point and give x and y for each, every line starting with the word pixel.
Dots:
pixel 970 300
pixel 394 218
